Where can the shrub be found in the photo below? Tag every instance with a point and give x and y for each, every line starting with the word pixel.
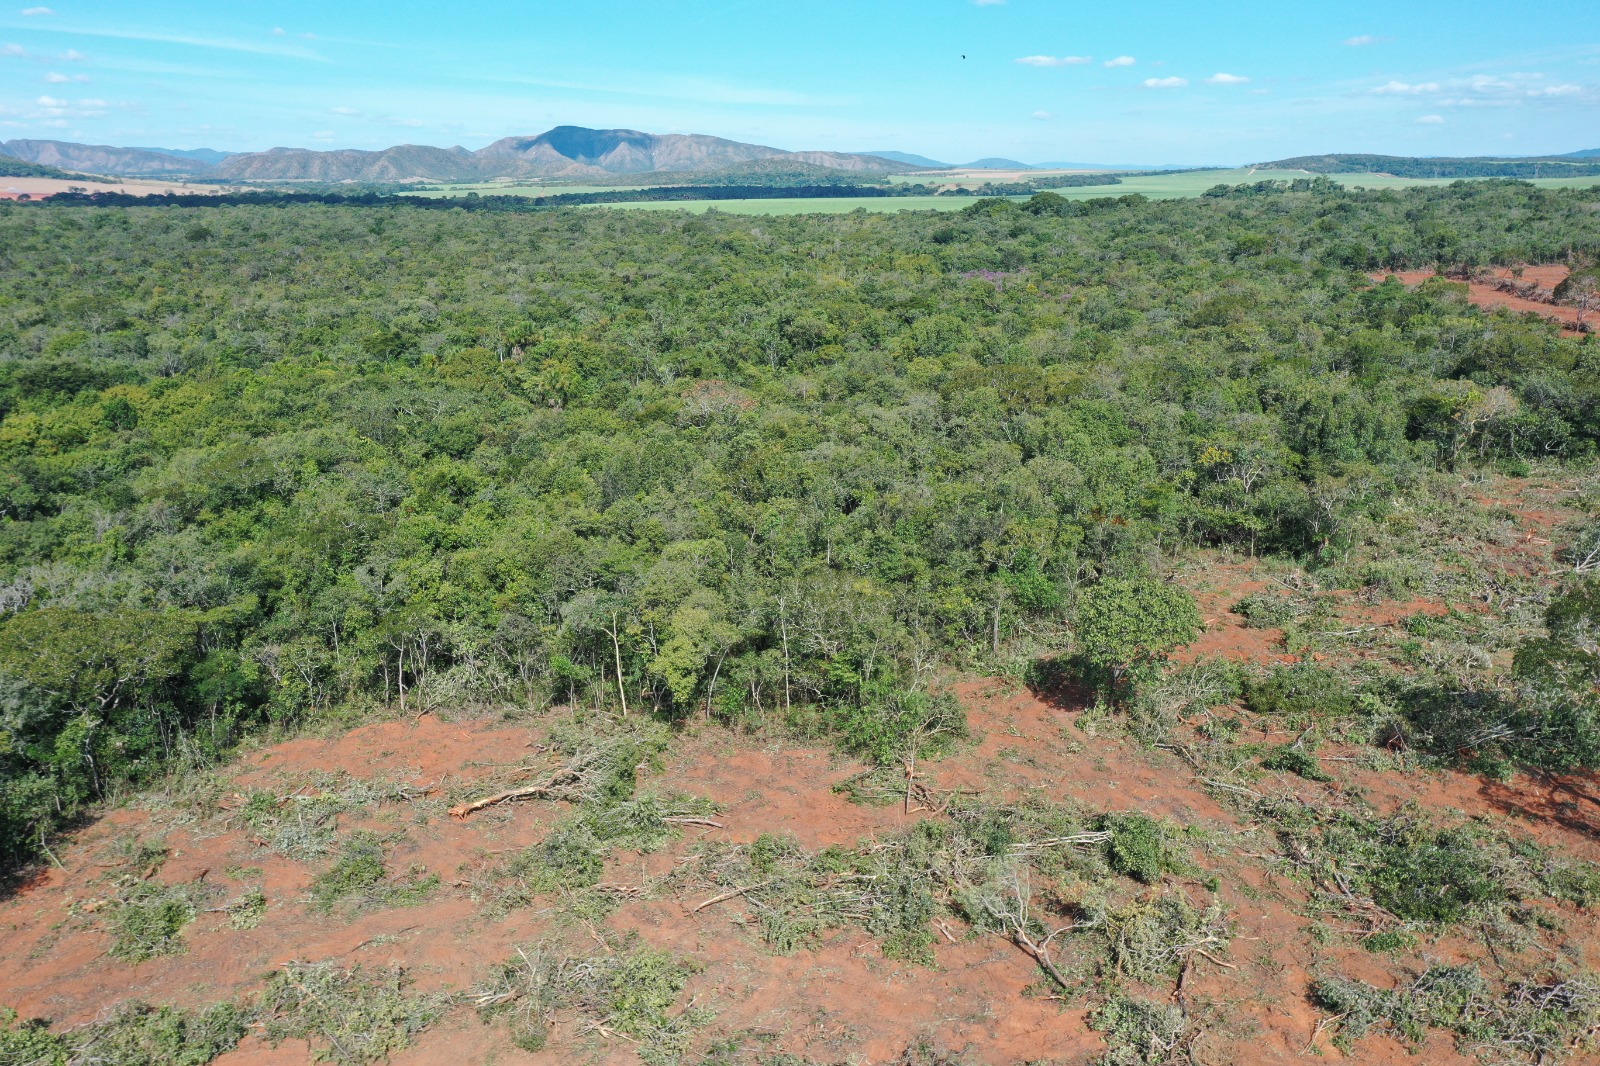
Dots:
pixel 360 876
pixel 148 921
pixel 1138 847
pixel 1301 692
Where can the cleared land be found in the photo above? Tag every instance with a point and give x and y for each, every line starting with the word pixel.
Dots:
pixel 37 188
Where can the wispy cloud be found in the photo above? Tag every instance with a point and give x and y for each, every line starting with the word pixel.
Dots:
pixel 1121 61
pixel 1055 61
pixel 346 111
pixel 224 44
pixel 1430 120
pixel 13 51
pixel 1226 79
pixel 1042 116
pixel 1165 83
pixel 1364 39
pixel 35 12
pixel 1400 88
pixel 50 101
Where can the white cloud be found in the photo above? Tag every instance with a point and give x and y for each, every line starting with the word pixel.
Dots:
pixel 15 50
pixel 1165 83
pixel 72 55
pixel 33 12
pixel 1400 88
pixel 323 135
pixel 1055 61
pixel 343 111
pixel 1556 90
pixel 1226 79
pixel 1121 61
pixel 55 77
pixel 51 101
pixel 91 103
pixel 1042 116
pixel 279 31
pixel 1361 39
pixel 1430 120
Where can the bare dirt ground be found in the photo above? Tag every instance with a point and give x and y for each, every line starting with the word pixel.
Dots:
pixel 842 1001
pixel 38 188
pixel 1485 295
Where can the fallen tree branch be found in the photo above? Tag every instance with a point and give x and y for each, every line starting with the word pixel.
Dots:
pixel 729 895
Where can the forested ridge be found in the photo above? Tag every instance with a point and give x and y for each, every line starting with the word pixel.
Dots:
pixel 260 464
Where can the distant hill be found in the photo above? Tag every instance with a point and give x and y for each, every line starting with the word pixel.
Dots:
pixel 571 152
pixel 209 156
pixel 910 159
pixel 104 158
pixel 1575 166
pixel 995 163
pixel 405 162
pixel 1587 153
pixel 12 167
pixel 1118 167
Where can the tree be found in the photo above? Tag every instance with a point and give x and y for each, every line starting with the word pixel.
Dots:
pixel 1128 623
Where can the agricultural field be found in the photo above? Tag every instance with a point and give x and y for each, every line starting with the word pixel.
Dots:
pixel 1061 631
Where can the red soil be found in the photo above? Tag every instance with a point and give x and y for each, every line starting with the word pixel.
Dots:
pixel 843 1001
pixel 1485 295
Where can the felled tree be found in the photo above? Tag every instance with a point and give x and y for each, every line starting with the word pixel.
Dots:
pixel 1126 624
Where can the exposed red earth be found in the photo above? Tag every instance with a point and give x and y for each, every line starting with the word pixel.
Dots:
pixel 844 1001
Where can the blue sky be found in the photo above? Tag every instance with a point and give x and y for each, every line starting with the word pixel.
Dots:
pixel 1166 81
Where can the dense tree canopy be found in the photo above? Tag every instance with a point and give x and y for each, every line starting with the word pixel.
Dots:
pixel 260 462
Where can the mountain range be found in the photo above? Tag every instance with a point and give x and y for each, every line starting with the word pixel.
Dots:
pixel 564 152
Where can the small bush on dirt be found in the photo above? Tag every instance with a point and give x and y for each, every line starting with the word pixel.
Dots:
pixel 351 1017
pixel 1269 610
pixel 631 991
pixel 135 1035
pixel 1524 1021
pixel 1138 847
pixel 1140 1032
pixel 147 920
pixel 1292 759
pixel 361 878
pixel 1301 693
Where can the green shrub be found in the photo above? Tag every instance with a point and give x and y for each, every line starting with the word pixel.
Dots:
pixel 148 921
pixel 361 877
pixel 1293 759
pixel 1301 692
pixel 1138 847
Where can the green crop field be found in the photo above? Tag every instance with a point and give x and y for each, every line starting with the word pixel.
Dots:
pixel 1155 186
pixel 832 205
pixel 507 188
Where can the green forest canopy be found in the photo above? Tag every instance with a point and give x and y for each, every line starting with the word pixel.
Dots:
pixel 264 463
